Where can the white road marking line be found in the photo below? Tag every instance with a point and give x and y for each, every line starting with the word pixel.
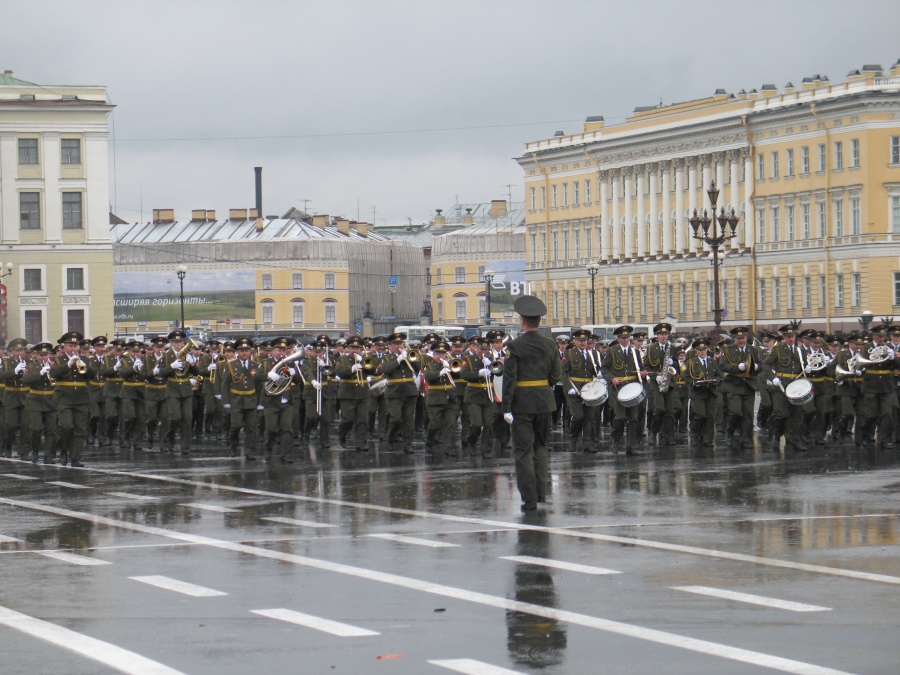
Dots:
pixel 608 625
pixel 402 539
pixel 103 652
pixel 210 507
pixel 74 486
pixel 752 599
pixel 7 540
pixel 18 476
pixel 473 667
pixel 183 587
pixel 315 622
pixel 126 495
pixel 559 564
pixel 629 541
pixel 74 558
pixel 294 521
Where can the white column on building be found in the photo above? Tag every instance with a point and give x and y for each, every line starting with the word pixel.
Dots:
pixel 653 210
pixel 615 229
pixel 52 198
pixel 749 216
pixel 604 215
pixel 692 198
pixel 96 200
pixel 642 243
pixel 629 213
pixel 9 200
pixel 734 195
pixel 666 208
pixel 680 245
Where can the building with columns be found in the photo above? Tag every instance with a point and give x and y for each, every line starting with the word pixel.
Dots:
pixel 812 172
pixel 54 210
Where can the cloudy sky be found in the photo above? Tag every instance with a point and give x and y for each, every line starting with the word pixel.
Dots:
pixel 400 106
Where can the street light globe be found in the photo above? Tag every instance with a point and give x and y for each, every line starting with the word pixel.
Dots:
pixel 488 273
pixel 9 265
pixel 867 313
pixel 593 266
pixel 181 268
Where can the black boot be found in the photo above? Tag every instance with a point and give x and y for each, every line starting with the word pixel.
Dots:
pixel 573 444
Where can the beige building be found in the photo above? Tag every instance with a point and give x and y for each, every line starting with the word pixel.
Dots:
pixel 243 275
pixel 812 172
pixel 54 205
pixel 490 238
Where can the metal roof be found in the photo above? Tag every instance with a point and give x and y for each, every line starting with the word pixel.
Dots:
pixel 7 78
pixel 274 229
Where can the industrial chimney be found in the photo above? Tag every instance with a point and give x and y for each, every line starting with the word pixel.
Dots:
pixel 259 209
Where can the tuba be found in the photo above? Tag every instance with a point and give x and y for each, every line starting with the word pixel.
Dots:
pixel 283 383
pixel 183 352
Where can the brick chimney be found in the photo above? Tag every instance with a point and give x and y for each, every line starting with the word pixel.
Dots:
pixel 498 208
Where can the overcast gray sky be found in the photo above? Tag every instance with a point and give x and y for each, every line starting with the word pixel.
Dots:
pixel 400 106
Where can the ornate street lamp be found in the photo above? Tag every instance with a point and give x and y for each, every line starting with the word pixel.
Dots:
pixel 488 278
pixel 181 271
pixel 865 319
pixel 592 269
pixel 714 238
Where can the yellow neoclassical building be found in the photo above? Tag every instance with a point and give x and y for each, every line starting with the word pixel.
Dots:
pixel 812 172
pixel 54 210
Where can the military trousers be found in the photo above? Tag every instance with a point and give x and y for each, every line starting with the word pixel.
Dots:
pixel 529 438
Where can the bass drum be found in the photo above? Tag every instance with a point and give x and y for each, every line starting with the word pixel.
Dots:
pixel 595 393
pixel 799 392
pixel 631 394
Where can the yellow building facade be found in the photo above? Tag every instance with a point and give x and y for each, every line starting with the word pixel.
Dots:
pixel 54 210
pixel 812 172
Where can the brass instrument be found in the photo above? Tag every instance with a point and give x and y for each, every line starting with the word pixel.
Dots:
pixel 446 365
pixel 817 361
pixel 283 383
pixel 80 366
pixel 496 368
pixel 877 355
pixel 198 383
pixel 183 352
pixel 850 371
pixel 369 364
pixel 220 361
pixel 669 371
pixel 455 366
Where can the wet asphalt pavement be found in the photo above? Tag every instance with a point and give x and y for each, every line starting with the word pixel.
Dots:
pixel 379 562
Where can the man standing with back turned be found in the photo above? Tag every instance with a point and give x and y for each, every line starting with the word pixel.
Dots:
pixel 531 369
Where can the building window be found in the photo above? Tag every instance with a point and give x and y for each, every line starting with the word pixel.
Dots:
pixel 774 165
pixel 266 281
pixel 32 279
pixel 587 191
pixel 438 277
pixel 738 295
pixel 683 297
pixel 760 167
pixel 329 281
pixel 710 296
pixel 895 149
pixel 789 162
pixel 34 318
pixel 776 224
pixel 481 274
pixel 791 292
pixel 607 303
pixel 696 298
pixel 805 221
pixel 804 160
pixel 330 311
pixel 72 218
pixel 821 157
pixel 631 299
pixel 670 292
pixel 553 196
pixel 644 295
pixel 856 281
pixel 567 297
pixel 75 279
pixel 565 194
pixel 854 153
pixel 897 288
pixel 532 193
pixel 761 300
pixel 71 150
pixel 297 280
pixel 75 320
pixel 838 290
pixel 482 306
pixel 533 248
pixel 543 198
pixel 28 151
pixel 760 226
pixel 789 216
pixel 838 217
pixel 460 275
pixel 822 291
pixel 855 216
pixel 576 236
pixel 820 218
pixel 576 196
pixel 838 155
pixel 268 312
pixel 440 308
pixel 587 242
pixel 895 213
pixel 555 245
pixel 807 293
pixel 297 311
pixel 460 302
pixel 30 210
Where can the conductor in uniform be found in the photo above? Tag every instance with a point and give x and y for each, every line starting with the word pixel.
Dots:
pixel 531 369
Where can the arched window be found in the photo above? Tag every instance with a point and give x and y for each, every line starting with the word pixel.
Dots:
pixel 297 310
pixel 330 305
pixel 440 308
pixel 267 305
pixel 460 301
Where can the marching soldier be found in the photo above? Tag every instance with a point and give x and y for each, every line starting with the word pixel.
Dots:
pixel 318 393
pixel 878 363
pixel 479 396
pixel 561 414
pixel 622 365
pixel 177 372
pixel 278 407
pixel 660 359
pixel 155 397
pixel 112 388
pixel 207 367
pixel 783 366
pixel 532 367
pixel 97 426
pixel 457 349
pixel 848 397
pixel 702 375
pixel 739 365
pixel 579 368
pixel 377 405
pixel 131 395
pixel 440 400
pixel 39 405
pixel 817 360
pixel 14 397
pixel 353 392
pixel 71 374
pixel 240 399
pixel 402 391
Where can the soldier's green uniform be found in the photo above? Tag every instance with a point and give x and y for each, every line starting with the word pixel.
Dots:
pixel 155 395
pixel 879 393
pixel 579 368
pixel 532 367
pixel 71 398
pixel 740 364
pixel 622 365
pixel 179 394
pixel 112 390
pixel 39 405
pixel 278 409
pixel 315 374
pixel 848 399
pixel 660 357
pixel 440 399
pixel 353 393
pixel 401 395
pixel 782 367
pixel 14 398
pixel 703 378
pixel 478 397
pixel 131 395
pixel 240 399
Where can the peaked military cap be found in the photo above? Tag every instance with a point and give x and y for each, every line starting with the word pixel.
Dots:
pixel 72 337
pixel 740 331
pixel 700 343
pixel 100 341
pixel 43 348
pixel 581 334
pixel 397 337
pixel 530 305
pixel 244 343
pixel 354 341
pixel 623 331
pixel 17 343
pixel 662 328
pixel 177 335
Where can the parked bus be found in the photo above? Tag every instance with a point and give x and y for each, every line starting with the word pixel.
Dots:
pixel 605 330
pixel 416 333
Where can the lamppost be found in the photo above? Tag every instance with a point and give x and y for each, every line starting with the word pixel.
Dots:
pixel 488 278
pixel 3 302
pixel 865 319
pixel 714 240
pixel 181 271
pixel 592 269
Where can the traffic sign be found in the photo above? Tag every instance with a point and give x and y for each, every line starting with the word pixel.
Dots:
pixel 392 281
pixel 227 322
pixel 359 325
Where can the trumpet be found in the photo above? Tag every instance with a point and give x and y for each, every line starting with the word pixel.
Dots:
pixel 81 366
pixel 220 361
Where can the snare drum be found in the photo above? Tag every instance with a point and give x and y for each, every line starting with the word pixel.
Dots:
pixel 799 392
pixel 377 387
pixel 594 393
pixel 631 394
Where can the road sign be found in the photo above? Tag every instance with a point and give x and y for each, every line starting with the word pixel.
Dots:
pixel 392 281
pixel 359 325
pixel 227 322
